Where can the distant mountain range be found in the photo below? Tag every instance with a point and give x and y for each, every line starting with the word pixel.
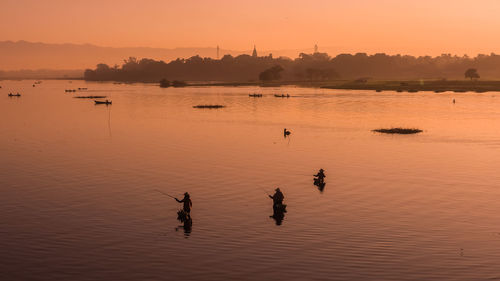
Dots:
pixel 29 55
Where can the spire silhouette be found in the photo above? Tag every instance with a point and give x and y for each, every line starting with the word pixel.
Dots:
pixel 254 53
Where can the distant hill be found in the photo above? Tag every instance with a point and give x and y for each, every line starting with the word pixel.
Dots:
pixel 28 55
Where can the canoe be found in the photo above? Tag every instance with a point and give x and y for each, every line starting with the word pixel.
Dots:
pixel 209 106
pixel 16 95
pixel 282 96
pixel 255 95
pixel 102 102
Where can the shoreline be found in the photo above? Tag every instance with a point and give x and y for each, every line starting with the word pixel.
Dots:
pixel 437 86
pixel 412 86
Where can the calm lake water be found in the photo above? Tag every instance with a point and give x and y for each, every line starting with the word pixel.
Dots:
pixel 78 184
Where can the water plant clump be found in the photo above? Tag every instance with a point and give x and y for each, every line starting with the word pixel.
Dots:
pixel 402 131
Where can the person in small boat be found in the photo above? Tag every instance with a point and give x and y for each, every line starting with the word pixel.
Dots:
pixel 277 198
pixel 286 132
pixel 320 177
pixel 187 204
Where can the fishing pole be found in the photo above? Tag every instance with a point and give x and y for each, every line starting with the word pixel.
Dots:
pixel 266 191
pixel 165 193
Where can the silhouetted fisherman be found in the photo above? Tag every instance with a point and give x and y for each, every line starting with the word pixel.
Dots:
pixel 320 177
pixel 277 198
pixel 187 204
pixel 278 216
pixel 279 209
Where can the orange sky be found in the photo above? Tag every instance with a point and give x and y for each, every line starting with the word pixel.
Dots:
pixel 392 26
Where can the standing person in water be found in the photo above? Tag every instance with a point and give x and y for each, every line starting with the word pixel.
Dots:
pixel 187 204
pixel 320 177
pixel 277 198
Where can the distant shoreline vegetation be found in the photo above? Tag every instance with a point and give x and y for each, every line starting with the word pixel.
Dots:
pixel 318 68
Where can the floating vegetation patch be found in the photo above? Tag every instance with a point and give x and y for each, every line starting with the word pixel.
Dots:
pixel 209 106
pixel 402 131
pixel 89 97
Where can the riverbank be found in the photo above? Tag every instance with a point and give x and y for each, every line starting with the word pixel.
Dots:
pixel 421 85
pixel 378 85
pixel 382 85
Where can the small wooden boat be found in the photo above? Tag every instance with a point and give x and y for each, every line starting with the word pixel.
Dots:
pixel 70 91
pixel 209 106
pixel 106 102
pixel 14 95
pixel 255 95
pixel 282 96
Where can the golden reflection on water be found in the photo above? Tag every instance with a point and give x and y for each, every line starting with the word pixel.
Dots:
pixel 78 184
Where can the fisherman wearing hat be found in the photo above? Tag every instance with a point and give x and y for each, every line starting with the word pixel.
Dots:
pixel 320 177
pixel 277 198
pixel 187 203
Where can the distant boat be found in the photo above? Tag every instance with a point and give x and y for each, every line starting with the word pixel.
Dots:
pixel 209 106
pixel 282 96
pixel 106 102
pixel 255 95
pixel 14 95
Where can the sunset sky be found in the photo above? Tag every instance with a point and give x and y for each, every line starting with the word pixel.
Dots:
pixel 392 26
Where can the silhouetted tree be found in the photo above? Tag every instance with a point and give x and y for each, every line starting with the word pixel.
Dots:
pixel 317 67
pixel 472 74
pixel 273 73
pixel 178 83
pixel 164 83
pixel 315 74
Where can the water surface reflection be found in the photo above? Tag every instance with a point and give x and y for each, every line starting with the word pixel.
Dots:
pixel 77 202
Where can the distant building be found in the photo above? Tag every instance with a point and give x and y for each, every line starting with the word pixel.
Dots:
pixel 254 53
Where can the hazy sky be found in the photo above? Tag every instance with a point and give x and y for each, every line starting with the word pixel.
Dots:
pixel 393 26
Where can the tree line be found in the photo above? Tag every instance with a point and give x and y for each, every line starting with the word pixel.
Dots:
pixel 306 67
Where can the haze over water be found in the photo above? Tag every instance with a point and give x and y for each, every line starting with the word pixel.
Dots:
pixel 79 202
